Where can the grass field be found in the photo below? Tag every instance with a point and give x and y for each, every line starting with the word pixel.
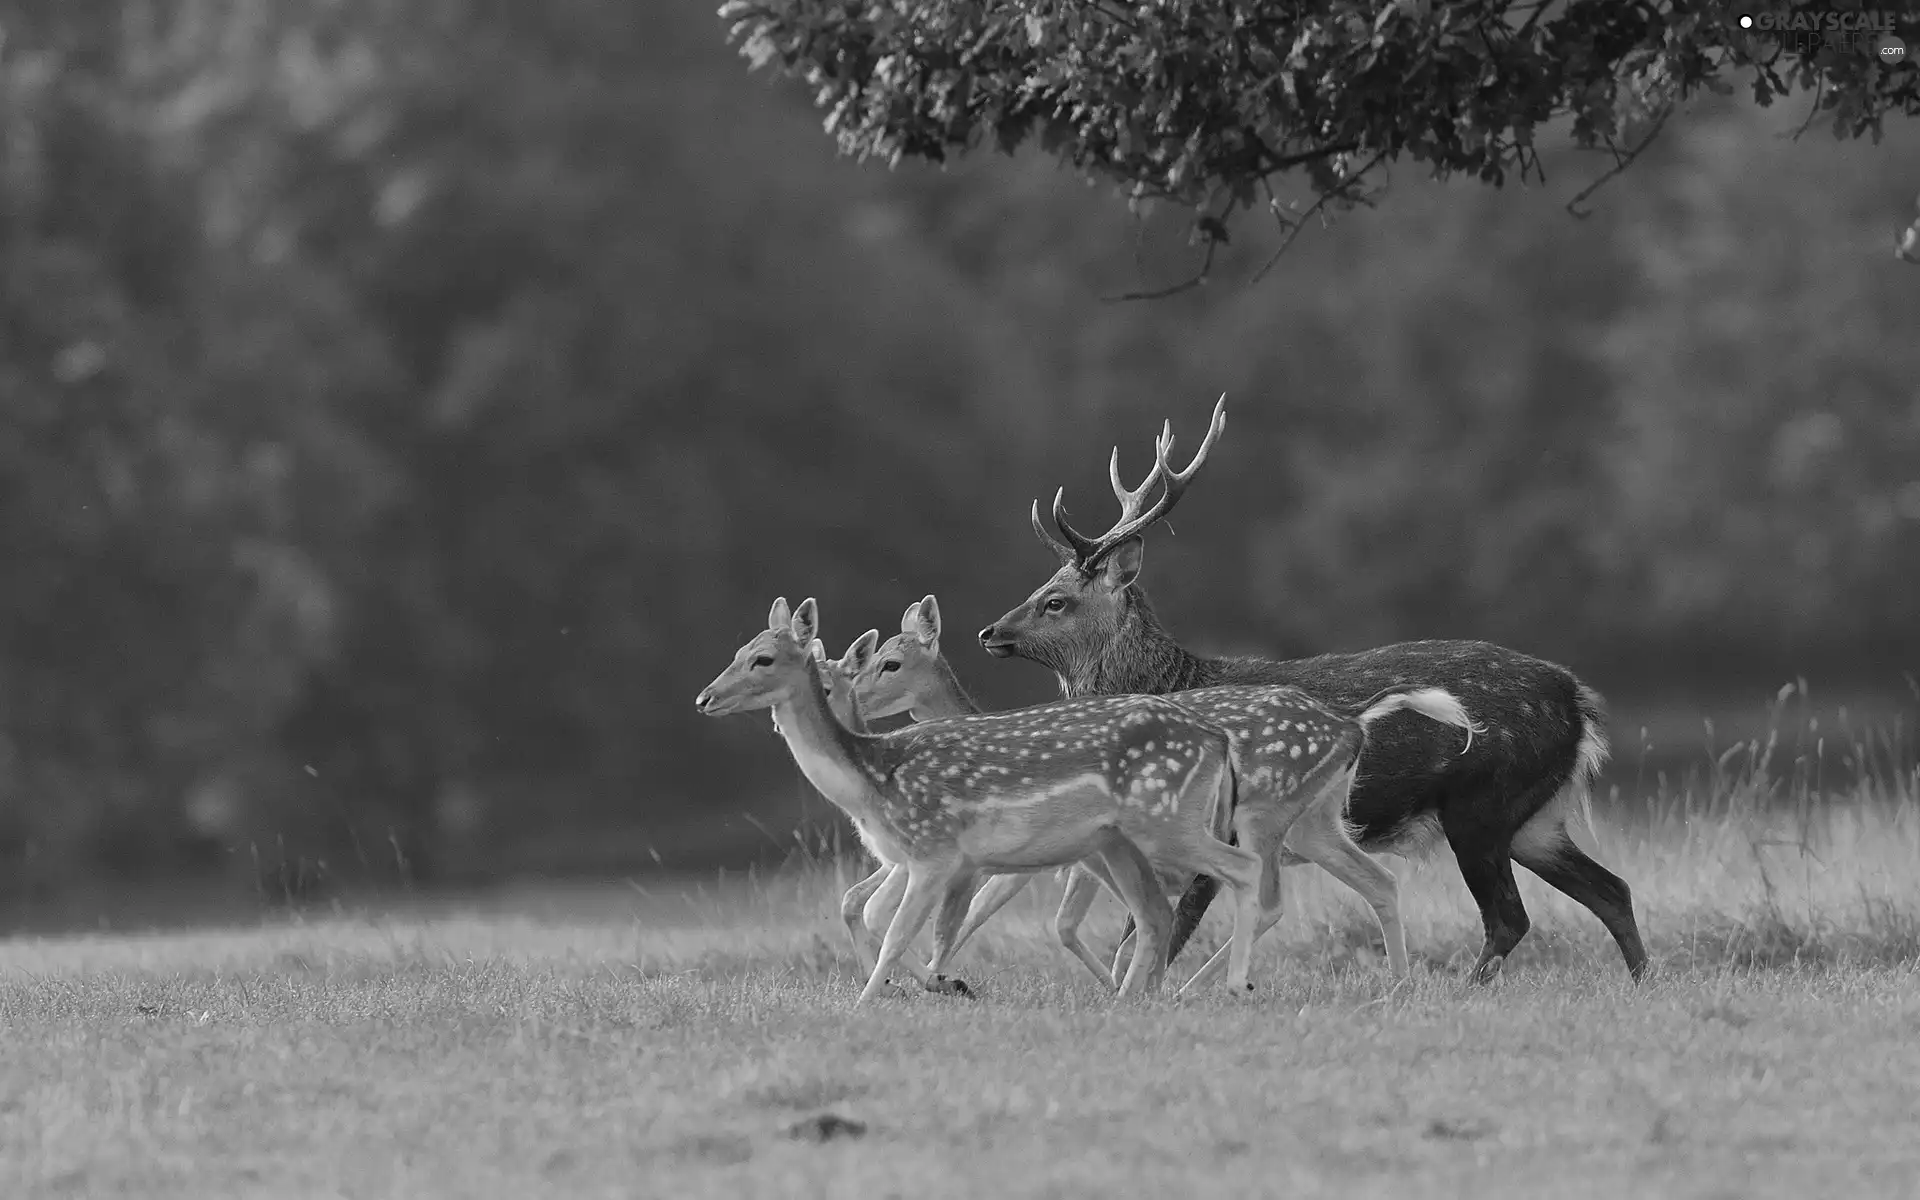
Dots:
pixel 663 1042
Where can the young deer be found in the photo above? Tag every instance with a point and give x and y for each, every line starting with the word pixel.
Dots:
pixel 1505 800
pixel 1001 887
pixel 868 905
pixel 1131 780
pixel 1294 759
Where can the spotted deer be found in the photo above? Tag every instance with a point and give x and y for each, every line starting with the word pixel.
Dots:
pixel 1505 800
pixel 883 886
pixel 868 905
pixel 1294 759
pixel 1132 781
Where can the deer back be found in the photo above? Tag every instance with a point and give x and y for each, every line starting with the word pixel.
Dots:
pixel 997 780
pixel 1278 735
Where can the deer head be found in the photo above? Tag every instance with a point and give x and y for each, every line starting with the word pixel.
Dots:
pixel 892 679
pixel 840 677
pixel 1074 614
pixel 771 668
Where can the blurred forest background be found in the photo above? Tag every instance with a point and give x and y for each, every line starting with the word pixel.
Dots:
pixel 406 408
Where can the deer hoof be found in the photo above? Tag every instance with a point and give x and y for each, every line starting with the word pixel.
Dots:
pixel 1487 971
pixel 945 986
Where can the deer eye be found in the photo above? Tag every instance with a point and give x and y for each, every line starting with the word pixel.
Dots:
pixel 1054 604
pixel 765 660
pixel 889 665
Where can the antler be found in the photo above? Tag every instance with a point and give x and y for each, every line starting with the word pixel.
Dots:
pixel 1087 552
pixel 1065 552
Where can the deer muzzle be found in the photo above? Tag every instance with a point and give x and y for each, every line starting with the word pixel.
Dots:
pixel 994 644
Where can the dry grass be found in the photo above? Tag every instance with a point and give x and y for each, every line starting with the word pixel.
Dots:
pixel 664 1049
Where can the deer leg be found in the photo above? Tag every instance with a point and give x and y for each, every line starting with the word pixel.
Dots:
pixel 1241 869
pixel 1122 953
pixel 1488 871
pixel 1334 851
pixel 990 899
pixel 925 885
pixel 1083 887
pixel 1186 916
pixel 953 909
pixel 1271 910
pixel 1133 878
pixel 1320 836
pixel 1544 847
pixel 1271 905
pixel 852 902
pixel 880 909
pixel 1201 891
pixel 1211 969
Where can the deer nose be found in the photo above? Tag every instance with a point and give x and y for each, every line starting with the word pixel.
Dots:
pixel 988 634
pixel 703 699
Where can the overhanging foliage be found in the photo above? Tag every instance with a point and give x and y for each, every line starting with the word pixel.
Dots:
pixel 1208 103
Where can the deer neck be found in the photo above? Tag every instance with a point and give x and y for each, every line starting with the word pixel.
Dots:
pixel 1139 657
pixel 837 761
pixel 943 697
pixel 848 711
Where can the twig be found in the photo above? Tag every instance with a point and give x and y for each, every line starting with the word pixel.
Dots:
pixel 1198 279
pixel 1293 230
pixel 1539 169
pixel 1813 110
pixel 1623 161
pixel 1287 162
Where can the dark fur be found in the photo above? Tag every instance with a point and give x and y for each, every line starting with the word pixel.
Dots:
pixel 1534 713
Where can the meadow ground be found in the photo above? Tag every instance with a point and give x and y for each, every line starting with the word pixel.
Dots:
pixel 665 1044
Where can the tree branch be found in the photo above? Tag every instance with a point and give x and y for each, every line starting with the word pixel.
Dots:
pixel 1621 163
pixel 1287 162
pixel 1293 230
pixel 1198 279
pixel 1813 110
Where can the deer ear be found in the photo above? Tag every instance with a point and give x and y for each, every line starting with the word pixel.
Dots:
pixel 819 651
pixel 1122 567
pixel 860 654
pixel 910 619
pixel 781 615
pixel 927 626
pixel 806 621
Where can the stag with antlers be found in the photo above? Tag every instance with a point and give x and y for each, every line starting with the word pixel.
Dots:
pixel 1506 800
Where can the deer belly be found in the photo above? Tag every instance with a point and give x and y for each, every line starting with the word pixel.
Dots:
pixel 1054 828
pixel 1167 849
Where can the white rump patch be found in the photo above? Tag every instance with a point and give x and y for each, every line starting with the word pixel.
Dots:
pixel 1546 831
